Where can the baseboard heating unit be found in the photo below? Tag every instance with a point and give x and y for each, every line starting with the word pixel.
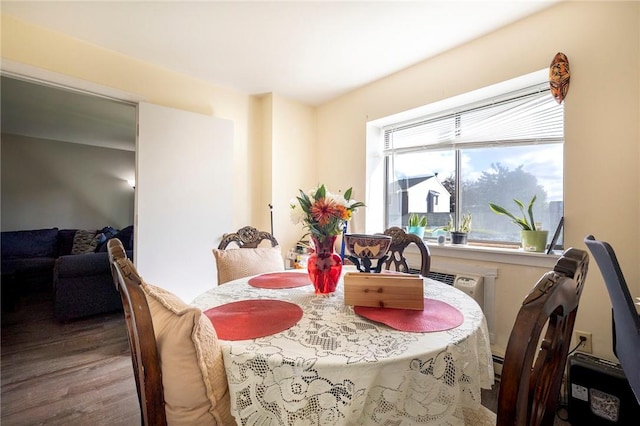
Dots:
pixel 473 285
pixel 599 393
pixel 478 282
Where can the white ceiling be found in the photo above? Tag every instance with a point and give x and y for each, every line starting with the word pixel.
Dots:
pixel 311 51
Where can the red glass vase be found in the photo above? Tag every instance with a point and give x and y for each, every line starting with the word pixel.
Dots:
pixel 324 265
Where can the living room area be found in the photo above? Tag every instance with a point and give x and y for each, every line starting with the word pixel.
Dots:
pixel 68 170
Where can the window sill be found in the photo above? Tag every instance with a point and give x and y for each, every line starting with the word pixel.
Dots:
pixel 493 254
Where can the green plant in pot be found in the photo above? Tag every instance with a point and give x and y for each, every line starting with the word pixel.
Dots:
pixel 417 224
pixel 460 235
pixel 532 238
pixel 449 226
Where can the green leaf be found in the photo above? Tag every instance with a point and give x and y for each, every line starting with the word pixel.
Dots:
pixel 520 221
pixel 321 192
pixel 533 224
pixel 347 194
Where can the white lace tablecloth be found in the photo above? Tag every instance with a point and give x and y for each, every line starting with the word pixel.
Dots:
pixel 336 368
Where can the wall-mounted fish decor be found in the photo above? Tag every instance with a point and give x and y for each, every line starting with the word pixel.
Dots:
pixel 559 76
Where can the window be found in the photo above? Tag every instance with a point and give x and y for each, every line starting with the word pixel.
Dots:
pixel 459 160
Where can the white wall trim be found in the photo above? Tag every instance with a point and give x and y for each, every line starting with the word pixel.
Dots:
pixel 42 76
pixel 494 255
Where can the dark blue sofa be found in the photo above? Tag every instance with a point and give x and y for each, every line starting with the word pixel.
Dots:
pixel 33 260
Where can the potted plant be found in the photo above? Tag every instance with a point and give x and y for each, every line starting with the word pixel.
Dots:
pixel 532 238
pixel 449 226
pixel 460 235
pixel 417 224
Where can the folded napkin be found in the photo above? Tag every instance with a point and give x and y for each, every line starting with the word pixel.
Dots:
pixel 436 316
pixel 250 319
pixel 280 280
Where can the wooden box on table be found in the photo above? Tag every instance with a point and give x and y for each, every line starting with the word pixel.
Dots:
pixel 402 291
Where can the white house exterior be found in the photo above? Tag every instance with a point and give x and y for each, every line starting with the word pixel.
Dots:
pixel 429 196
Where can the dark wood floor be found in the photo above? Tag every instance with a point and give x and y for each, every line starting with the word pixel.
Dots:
pixel 75 373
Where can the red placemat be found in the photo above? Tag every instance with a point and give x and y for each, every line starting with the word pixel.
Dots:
pixel 436 316
pixel 280 280
pixel 249 319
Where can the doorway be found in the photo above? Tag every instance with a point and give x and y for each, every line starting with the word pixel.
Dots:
pixel 68 158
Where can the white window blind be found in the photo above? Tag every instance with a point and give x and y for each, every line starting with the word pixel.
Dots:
pixel 528 116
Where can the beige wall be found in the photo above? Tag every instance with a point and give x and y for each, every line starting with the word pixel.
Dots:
pixel 602 137
pixel 293 163
pixel 48 183
pixel 602 156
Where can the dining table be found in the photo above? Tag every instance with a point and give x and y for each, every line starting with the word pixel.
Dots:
pixel 294 357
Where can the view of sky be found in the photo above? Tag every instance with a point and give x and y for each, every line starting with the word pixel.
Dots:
pixel 543 161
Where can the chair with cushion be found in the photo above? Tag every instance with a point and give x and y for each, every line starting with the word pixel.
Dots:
pixel 534 366
pixel 176 355
pixel 142 343
pixel 626 322
pixel 247 252
pixel 397 260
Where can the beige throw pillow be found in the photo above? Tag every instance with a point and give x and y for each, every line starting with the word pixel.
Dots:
pixel 244 262
pixel 195 382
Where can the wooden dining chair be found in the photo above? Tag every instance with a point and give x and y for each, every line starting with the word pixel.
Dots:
pixel 115 250
pixel 397 260
pixel 251 258
pixel 534 366
pixel 142 342
pixel 625 322
pixel 247 237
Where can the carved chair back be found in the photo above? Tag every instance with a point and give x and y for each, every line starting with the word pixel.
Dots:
pixel 247 237
pixel 397 260
pixel 116 251
pixel 534 365
pixel 142 342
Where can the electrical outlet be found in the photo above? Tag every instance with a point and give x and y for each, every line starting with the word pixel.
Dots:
pixel 586 344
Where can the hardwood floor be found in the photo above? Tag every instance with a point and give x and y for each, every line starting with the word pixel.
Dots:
pixel 490 400
pixel 60 374
pixel 76 373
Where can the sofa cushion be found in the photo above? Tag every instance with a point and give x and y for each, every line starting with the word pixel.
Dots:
pixel 82 265
pixel 107 233
pixel 85 241
pixel 29 274
pixel 125 236
pixel 35 265
pixel 65 241
pixel 193 374
pixel 243 262
pixel 32 243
